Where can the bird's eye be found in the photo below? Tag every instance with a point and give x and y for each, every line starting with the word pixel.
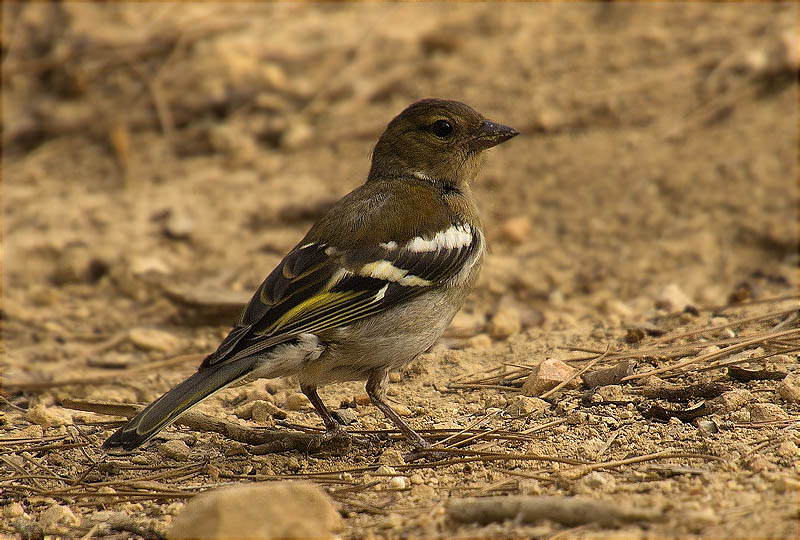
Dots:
pixel 441 128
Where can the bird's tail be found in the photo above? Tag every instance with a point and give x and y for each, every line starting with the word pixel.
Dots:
pixel 166 409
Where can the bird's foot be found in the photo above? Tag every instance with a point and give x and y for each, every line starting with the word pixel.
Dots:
pixel 427 452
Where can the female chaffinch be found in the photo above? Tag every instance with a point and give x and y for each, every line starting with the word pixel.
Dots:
pixel 372 285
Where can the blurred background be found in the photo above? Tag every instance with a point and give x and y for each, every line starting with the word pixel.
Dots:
pixel 200 141
pixel 160 158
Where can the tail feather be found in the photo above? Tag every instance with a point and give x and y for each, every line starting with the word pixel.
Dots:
pixel 166 409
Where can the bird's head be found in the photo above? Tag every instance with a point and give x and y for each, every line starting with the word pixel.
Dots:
pixel 436 140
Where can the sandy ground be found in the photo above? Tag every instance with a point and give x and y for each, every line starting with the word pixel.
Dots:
pixel 160 159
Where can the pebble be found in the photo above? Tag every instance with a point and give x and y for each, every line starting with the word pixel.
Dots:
pixel 706 426
pixel 416 479
pixel 392 521
pixel 392 457
pixel 698 520
pixel 505 323
pixel 298 134
pixel 766 412
pixel 402 410
pixel 612 392
pixel 267 510
pixel 399 482
pixel 13 510
pixel 345 416
pixel 297 402
pixel 177 450
pixel 789 388
pixel 595 481
pixel 672 298
pixel 151 339
pixel 481 342
pixel 244 411
pixel 788 449
pixel 362 399
pixel 547 375
pixel 516 230
pixel 385 470
pixel 27 529
pixel 112 518
pixel 48 417
pixel 727 333
pixel 57 515
pixel 524 405
pixel 178 226
pixel 465 325
pixel 146 264
pixel 734 400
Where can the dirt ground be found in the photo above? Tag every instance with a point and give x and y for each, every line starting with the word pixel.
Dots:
pixel 159 159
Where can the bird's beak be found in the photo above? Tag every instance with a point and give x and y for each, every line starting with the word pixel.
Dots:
pixel 491 134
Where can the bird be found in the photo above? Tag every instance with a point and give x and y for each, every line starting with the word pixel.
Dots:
pixel 372 285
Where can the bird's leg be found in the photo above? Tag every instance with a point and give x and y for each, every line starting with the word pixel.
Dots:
pixel 333 430
pixel 376 388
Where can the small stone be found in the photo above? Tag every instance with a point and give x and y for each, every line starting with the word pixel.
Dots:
pixel 612 392
pixel 766 412
pixel 706 426
pixel 362 399
pixel 593 446
pixel 395 377
pixel 516 230
pixel 596 481
pixel 112 518
pixel 151 339
pixel 267 510
pixel 416 479
pixel 505 323
pixel 57 515
pixel 402 410
pixel 27 529
pixel 345 416
pixel 48 417
pixel 556 298
pixel 741 416
pixel 672 298
pixel 385 470
pixel 788 449
pixel 789 388
pixel 297 402
pixel 298 134
pixel 392 457
pixel 546 376
pixel 392 521
pixel 481 342
pixel 176 450
pixel 465 325
pixel 697 520
pixel 727 333
pixel 76 264
pixel 618 307
pixel 734 400
pixel 264 412
pixel 244 411
pixel 524 405
pixel 178 226
pixel 13 510
pixel 399 482
pixel 146 264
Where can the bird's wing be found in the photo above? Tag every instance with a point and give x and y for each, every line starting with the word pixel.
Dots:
pixel 318 287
